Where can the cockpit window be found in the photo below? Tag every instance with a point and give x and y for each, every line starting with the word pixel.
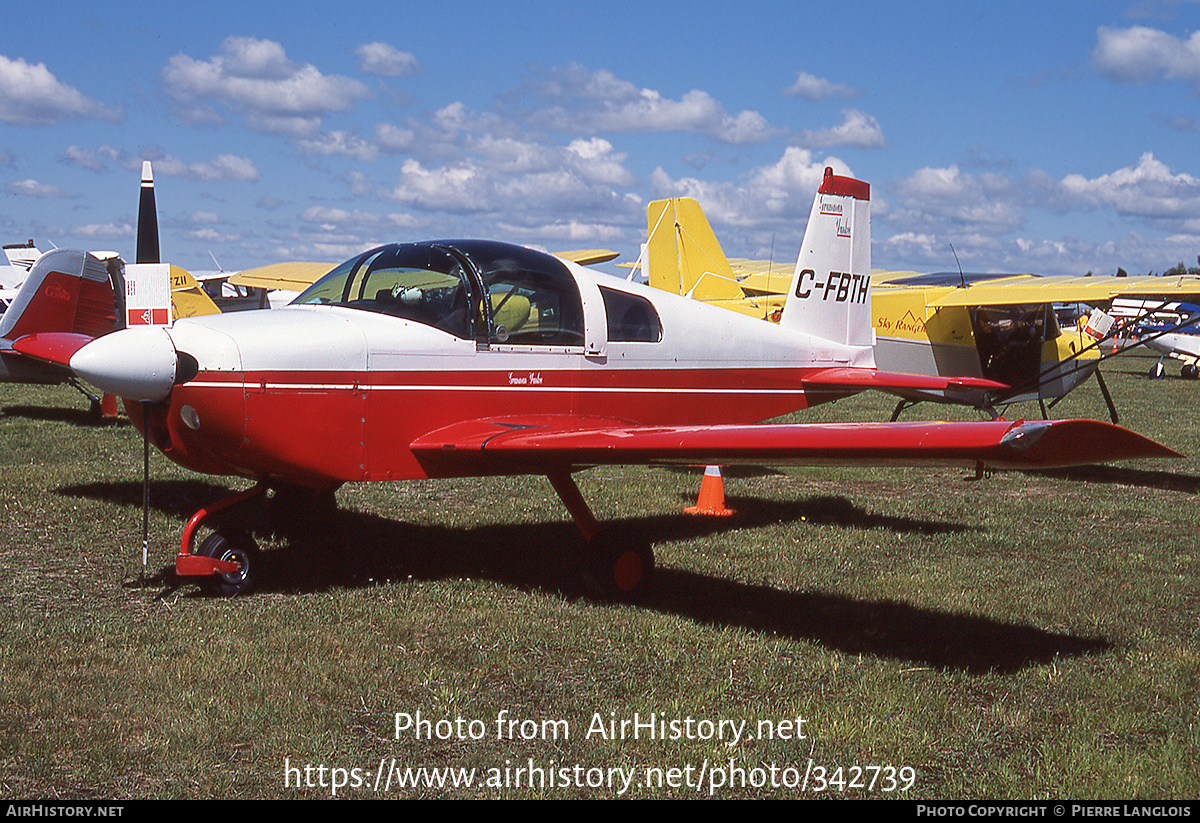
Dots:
pixel 631 319
pixel 419 282
pixel 532 297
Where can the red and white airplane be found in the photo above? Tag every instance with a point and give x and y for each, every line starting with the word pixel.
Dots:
pixel 464 358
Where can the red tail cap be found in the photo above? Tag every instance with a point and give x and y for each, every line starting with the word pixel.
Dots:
pixel 845 186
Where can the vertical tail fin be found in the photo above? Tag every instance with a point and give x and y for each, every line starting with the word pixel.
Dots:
pixel 683 255
pixel 67 290
pixel 830 296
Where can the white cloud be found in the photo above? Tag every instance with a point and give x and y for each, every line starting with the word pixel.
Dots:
pixel 811 87
pixel 595 160
pixel 464 187
pixel 567 232
pixel 1146 190
pixel 763 213
pixel 383 59
pixel 221 167
pixel 84 158
pixel 857 129
pixel 104 231
pixel 255 78
pixel 30 95
pixel 950 201
pixel 986 217
pixel 1143 55
pixel 578 100
pixel 341 144
pixel 32 188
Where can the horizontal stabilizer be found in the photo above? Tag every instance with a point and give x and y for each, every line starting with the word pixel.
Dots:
pixel 51 347
pixel 858 379
pixel 550 444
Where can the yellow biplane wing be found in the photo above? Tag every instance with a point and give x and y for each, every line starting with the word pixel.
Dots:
pixel 284 276
pixel 587 257
pixel 1029 289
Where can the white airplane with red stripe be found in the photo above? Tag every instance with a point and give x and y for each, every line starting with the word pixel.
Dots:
pixel 463 358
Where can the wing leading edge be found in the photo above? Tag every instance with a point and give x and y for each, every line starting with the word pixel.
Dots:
pixel 553 444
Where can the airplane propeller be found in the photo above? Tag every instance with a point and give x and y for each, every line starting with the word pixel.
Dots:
pixel 147 252
pixel 147 231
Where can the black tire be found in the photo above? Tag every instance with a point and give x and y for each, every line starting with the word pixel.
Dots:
pixel 620 565
pixel 239 547
pixel 1157 371
pixel 1189 372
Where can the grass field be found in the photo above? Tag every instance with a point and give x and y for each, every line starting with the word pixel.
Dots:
pixel 848 633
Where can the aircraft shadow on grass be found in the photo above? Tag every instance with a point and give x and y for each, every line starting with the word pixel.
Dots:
pixel 1120 476
pixel 358 549
pixel 54 414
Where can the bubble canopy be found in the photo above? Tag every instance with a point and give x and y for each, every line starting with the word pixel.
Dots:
pixel 531 296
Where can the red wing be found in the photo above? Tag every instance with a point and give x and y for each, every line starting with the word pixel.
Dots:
pixel 552 444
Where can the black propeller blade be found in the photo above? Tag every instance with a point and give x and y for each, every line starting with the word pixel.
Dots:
pixel 147 230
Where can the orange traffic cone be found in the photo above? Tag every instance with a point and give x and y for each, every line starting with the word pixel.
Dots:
pixel 108 406
pixel 712 494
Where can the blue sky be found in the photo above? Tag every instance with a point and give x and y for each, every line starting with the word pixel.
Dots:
pixel 1051 137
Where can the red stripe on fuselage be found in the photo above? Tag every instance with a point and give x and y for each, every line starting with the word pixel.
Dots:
pixel 329 427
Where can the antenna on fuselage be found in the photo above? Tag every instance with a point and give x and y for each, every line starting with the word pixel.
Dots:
pixel 961 277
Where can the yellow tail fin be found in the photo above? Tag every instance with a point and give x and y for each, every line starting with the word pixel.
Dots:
pixel 188 298
pixel 683 255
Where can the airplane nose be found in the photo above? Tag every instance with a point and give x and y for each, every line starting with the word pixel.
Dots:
pixel 136 363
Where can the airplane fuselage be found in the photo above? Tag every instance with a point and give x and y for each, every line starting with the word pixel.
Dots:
pixel 325 394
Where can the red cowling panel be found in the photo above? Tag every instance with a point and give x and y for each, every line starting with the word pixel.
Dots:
pixel 1000 443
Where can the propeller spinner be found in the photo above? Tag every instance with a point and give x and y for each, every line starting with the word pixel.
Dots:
pixel 138 364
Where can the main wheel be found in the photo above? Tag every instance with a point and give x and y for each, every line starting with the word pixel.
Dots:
pixel 1157 371
pixel 1189 372
pixel 238 547
pixel 620 564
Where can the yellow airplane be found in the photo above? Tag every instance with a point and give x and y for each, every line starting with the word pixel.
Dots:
pixel 1000 327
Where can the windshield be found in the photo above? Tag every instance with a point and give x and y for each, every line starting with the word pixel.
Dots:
pixel 422 283
pixel 532 299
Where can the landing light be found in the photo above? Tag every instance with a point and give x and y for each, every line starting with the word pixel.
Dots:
pixel 190 418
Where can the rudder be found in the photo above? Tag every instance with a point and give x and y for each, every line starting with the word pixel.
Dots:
pixel 67 290
pixel 830 295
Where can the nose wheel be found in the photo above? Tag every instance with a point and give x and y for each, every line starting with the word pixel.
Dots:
pixel 226 560
pixel 235 548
